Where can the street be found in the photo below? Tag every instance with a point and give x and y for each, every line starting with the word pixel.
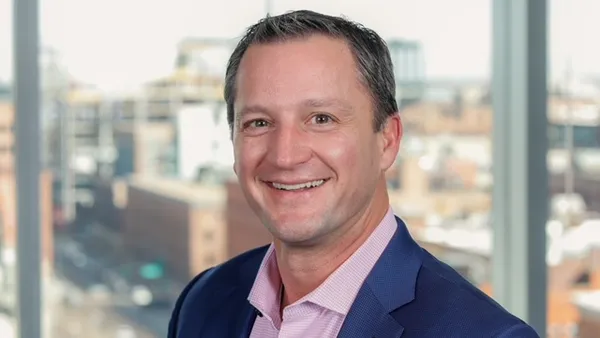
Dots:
pixel 97 298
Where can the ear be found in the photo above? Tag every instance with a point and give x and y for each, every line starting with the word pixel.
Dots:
pixel 235 162
pixel 391 135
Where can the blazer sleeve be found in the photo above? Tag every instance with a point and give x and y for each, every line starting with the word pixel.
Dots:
pixel 519 331
pixel 173 322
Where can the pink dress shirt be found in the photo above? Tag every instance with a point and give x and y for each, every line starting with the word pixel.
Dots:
pixel 321 313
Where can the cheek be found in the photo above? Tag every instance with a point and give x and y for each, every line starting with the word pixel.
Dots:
pixel 247 156
pixel 342 154
pixel 368 156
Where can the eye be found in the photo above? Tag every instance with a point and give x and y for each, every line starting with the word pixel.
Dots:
pixel 322 119
pixel 258 123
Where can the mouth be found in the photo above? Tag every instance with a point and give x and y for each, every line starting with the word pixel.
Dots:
pixel 298 186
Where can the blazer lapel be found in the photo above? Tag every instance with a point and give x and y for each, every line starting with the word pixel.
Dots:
pixel 390 285
pixel 245 317
pixel 236 312
pixel 233 317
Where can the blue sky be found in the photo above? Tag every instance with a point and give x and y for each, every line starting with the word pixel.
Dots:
pixel 116 43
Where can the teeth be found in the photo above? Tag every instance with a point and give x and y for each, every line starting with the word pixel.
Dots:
pixel 298 186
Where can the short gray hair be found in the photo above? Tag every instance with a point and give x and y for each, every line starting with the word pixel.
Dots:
pixel 370 52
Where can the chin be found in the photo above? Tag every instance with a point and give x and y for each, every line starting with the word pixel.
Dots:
pixel 299 231
pixel 295 240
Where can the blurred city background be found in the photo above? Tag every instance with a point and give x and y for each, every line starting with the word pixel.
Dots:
pixel 138 192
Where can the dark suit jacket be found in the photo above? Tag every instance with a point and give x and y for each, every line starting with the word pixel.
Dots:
pixel 409 293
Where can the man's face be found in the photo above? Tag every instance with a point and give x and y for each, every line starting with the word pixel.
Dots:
pixel 306 153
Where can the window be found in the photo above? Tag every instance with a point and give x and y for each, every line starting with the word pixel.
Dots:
pixel 440 50
pixel 583 279
pixel 584 136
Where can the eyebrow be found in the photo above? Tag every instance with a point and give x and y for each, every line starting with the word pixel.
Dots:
pixel 326 103
pixel 249 110
pixel 309 103
pixel 253 109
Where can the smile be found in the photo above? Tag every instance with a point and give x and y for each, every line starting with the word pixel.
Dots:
pixel 298 186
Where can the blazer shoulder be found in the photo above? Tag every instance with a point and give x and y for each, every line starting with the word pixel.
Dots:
pixel 456 305
pixel 214 282
pixel 521 330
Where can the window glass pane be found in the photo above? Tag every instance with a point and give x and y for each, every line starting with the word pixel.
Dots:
pixel 573 160
pixel 140 149
pixel 138 158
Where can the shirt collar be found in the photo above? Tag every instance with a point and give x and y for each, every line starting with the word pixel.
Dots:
pixel 265 294
pixel 338 291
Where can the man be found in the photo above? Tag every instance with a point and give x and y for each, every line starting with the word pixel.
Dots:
pixel 314 122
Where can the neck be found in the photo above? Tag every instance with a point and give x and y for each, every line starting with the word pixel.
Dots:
pixel 303 269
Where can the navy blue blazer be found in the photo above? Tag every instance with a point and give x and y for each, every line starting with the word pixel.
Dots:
pixel 409 293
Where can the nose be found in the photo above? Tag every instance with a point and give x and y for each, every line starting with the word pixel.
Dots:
pixel 288 147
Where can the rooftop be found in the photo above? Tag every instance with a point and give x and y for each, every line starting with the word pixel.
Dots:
pixel 185 191
pixel 468 237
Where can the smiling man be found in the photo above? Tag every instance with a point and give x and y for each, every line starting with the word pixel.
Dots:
pixel 314 123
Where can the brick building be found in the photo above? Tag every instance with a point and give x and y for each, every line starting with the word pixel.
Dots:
pixel 190 226
pixel 567 279
pixel 245 230
pixel 420 194
pixel 429 118
pixel 8 198
pixel 180 223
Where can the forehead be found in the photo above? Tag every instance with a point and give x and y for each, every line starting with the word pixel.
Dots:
pixel 298 69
